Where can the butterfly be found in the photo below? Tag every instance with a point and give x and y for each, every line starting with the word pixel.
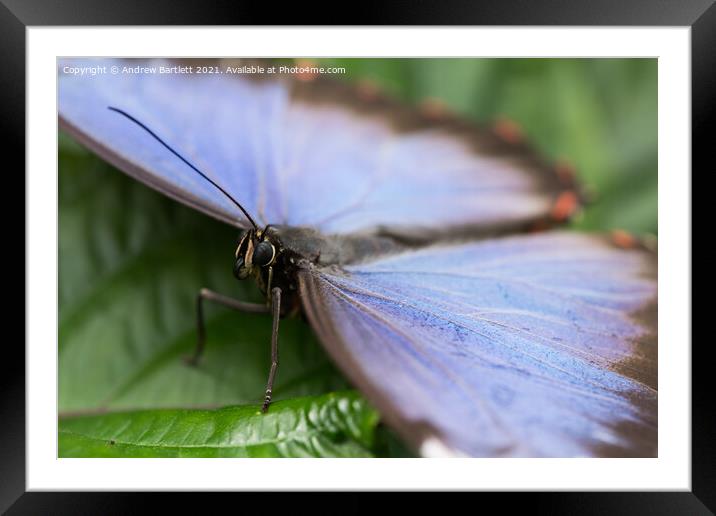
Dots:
pixel 422 249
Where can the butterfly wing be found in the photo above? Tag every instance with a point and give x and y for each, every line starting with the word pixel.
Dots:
pixel 539 345
pixel 316 153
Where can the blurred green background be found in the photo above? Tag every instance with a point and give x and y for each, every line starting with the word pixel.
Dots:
pixel 132 261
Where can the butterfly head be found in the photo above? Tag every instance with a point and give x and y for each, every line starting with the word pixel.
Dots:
pixel 255 253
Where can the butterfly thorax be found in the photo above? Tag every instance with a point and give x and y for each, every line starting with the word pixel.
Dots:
pixel 275 254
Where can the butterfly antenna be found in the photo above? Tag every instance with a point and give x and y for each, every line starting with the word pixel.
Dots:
pixel 140 124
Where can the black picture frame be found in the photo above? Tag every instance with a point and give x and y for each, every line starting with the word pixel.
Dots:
pixel 17 15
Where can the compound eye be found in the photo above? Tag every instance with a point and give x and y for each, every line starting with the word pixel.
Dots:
pixel 240 271
pixel 263 254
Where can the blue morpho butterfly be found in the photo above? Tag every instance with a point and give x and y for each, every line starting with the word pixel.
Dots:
pixel 408 239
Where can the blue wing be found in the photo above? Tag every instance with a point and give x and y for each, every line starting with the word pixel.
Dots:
pixel 536 345
pixel 303 154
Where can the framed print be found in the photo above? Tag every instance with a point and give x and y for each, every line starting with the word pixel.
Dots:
pixel 469 246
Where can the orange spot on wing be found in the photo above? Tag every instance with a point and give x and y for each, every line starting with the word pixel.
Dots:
pixel 368 90
pixel 623 239
pixel 508 130
pixel 433 108
pixel 306 75
pixel 565 206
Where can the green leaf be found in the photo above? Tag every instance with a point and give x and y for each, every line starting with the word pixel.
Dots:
pixel 333 425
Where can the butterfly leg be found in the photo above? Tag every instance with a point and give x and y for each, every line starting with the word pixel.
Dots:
pixel 276 310
pixel 235 304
